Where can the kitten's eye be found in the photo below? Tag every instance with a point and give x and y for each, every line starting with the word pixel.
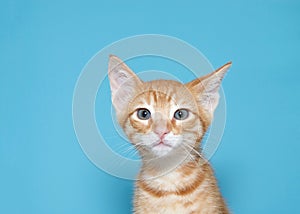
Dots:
pixel 181 114
pixel 143 114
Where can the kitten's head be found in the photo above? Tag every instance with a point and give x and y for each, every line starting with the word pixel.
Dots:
pixel 163 117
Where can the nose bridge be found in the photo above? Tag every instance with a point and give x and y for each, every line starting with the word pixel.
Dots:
pixel 161 123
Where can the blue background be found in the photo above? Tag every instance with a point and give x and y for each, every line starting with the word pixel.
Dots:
pixel 44 46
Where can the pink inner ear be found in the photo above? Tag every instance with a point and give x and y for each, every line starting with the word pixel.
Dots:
pixel 123 82
pixel 117 79
pixel 209 101
pixel 206 89
pixel 123 90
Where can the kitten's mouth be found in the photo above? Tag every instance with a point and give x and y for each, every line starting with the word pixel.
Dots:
pixel 161 148
pixel 161 144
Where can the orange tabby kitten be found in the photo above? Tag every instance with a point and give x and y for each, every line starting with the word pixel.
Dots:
pixel 166 121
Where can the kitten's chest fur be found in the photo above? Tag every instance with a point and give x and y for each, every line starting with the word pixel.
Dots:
pixel 191 188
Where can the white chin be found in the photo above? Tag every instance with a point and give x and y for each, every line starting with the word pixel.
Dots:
pixel 161 150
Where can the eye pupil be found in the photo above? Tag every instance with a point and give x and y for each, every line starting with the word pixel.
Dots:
pixel 144 113
pixel 180 114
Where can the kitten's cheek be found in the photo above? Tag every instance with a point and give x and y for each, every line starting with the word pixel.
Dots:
pixel 177 128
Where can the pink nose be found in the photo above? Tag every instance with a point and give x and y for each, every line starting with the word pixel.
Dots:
pixel 161 132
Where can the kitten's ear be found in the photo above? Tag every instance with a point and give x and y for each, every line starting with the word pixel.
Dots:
pixel 123 82
pixel 206 89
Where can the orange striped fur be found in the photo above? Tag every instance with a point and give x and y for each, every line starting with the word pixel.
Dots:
pixel 174 177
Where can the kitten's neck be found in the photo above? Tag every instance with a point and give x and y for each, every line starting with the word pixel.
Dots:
pixel 160 166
